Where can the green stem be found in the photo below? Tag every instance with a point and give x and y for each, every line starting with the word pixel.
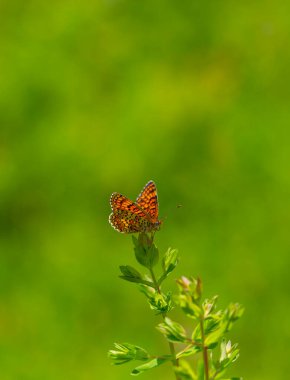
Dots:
pixel 204 351
pixel 171 345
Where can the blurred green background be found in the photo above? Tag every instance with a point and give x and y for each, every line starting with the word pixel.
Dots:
pixel 103 96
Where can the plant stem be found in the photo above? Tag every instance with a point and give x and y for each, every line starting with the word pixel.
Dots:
pixel 171 345
pixel 204 351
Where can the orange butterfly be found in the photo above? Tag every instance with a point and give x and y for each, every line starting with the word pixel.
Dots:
pixel 139 216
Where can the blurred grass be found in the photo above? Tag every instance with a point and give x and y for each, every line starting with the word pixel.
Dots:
pixel 102 96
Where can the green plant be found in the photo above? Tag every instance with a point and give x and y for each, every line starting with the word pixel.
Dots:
pixel 209 325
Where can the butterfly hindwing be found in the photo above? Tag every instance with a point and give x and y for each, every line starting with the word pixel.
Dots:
pixel 126 221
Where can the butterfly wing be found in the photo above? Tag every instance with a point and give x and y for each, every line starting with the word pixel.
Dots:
pixel 126 221
pixel 141 216
pixel 148 200
pixel 120 202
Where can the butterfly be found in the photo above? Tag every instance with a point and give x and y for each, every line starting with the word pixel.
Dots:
pixel 140 216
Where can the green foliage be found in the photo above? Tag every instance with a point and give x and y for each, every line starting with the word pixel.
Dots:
pixel 132 275
pixel 189 296
pixel 146 252
pixel 208 325
pixel 173 331
pixel 126 352
pixel 229 354
pixel 156 362
pixel 169 262
pixel 189 350
pixel 158 301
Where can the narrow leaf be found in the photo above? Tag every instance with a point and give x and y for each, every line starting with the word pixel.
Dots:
pixel 188 306
pixel 187 352
pixel 215 336
pixel 169 262
pixel 138 281
pixel 150 365
pixel 124 352
pixel 129 271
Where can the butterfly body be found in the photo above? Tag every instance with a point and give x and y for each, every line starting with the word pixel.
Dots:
pixel 139 216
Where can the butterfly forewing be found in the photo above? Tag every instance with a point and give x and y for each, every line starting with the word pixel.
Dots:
pixel 120 202
pixel 148 200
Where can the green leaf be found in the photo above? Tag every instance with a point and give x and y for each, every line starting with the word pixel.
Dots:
pixel 184 371
pixel 137 281
pixel 188 352
pixel 229 353
pixel 132 275
pixel 162 303
pixel 146 252
pixel 226 320
pixel 196 334
pixel 169 263
pixel 188 306
pixel 150 365
pixel 170 260
pixel 189 296
pixel 173 331
pixel 211 326
pixel 125 352
pixel 208 306
pixel 233 313
pixel 215 336
pixel 129 271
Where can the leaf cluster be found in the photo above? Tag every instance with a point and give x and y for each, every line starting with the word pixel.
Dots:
pixel 207 337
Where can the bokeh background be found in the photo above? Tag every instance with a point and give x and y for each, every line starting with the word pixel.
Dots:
pixel 102 96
